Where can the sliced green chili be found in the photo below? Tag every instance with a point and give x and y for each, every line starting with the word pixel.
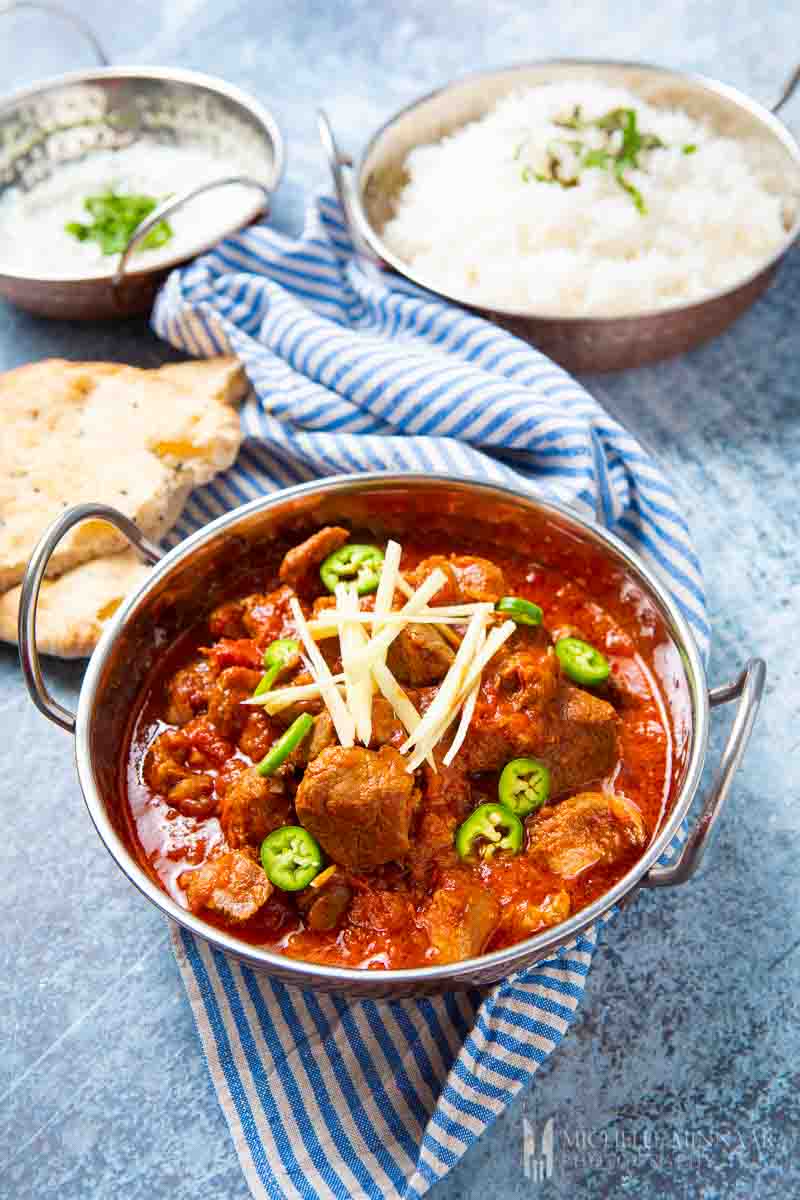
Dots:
pixel 353 563
pixel 524 612
pixel 278 656
pixel 581 662
pixel 524 785
pixel 291 858
pixel 490 828
pixel 285 744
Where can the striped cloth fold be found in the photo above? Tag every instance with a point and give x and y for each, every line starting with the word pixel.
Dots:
pixel 352 370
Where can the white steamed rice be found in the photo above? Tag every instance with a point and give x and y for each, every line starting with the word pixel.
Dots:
pixel 468 224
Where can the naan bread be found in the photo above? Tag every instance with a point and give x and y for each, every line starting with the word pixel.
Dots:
pixel 222 379
pixel 73 610
pixel 138 440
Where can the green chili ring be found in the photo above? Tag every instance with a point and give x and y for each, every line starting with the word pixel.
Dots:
pixel 524 612
pixel 353 563
pixel 278 656
pixel 582 662
pixel 524 785
pixel 291 858
pixel 286 743
pixel 491 827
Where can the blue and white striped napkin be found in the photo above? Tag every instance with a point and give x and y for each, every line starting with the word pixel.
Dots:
pixel 353 370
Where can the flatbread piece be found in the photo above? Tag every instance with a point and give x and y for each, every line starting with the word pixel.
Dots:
pixel 74 609
pixel 138 440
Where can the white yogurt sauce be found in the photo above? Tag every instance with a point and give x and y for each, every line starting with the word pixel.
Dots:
pixel 33 240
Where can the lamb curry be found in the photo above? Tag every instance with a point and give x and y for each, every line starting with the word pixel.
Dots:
pixel 397 755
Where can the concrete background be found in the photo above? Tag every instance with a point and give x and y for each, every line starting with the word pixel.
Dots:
pixel 680 1077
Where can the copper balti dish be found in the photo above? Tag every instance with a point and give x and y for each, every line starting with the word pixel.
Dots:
pixel 189 580
pixel 367 189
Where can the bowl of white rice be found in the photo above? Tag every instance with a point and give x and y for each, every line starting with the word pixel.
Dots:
pixel 611 213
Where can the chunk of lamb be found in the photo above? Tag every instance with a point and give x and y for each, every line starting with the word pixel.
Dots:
pixel 584 746
pixel 358 804
pixel 266 617
pixel 293 711
pixel 225 707
pixel 460 917
pixel 419 655
pixel 526 672
pixel 226 620
pixel 188 691
pixel 167 772
pixel 386 730
pixel 261 615
pixel 234 652
pixel 587 830
pixel 575 736
pixel 252 807
pixel 256 735
pixel 322 736
pixel 447 786
pixel 523 918
pixel 446 802
pixel 386 727
pixel 478 578
pixel 233 886
pixel 469 578
pixel 530 898
pixel 323 905
pixel 298 563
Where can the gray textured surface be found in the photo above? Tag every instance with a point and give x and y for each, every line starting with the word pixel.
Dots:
pixel 680 1077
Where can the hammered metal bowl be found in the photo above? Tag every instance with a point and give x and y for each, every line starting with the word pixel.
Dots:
pixel 188 581
pixel 369 193
pixel 72 116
